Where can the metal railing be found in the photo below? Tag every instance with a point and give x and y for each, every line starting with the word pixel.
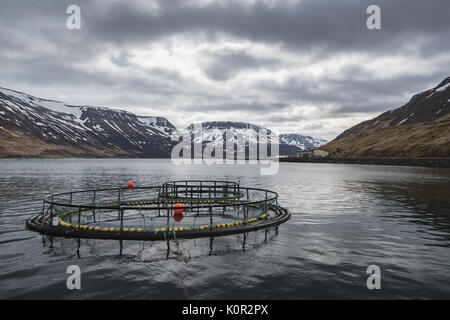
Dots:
pixel 202 198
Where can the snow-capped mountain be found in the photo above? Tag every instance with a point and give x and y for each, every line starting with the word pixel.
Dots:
pixel 36 127
pixel 214 133
pixel 302 142
pixel 55 128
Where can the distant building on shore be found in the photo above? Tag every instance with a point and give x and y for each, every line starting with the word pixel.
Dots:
pixel 312 153
pixel 305 154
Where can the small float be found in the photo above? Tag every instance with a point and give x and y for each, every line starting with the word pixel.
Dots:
pixel 174 210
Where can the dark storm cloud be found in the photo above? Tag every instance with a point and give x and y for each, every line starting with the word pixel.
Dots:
pixel 227 64
pixel 329 25
pixel 37 51
pixel 359 92
pixel 40 70
pixel 254 106
pixel 313 126
pixel 283 118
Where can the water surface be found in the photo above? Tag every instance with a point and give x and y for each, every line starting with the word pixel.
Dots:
pixel 344 218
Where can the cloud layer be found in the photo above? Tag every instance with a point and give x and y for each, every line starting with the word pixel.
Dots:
pixel 308 66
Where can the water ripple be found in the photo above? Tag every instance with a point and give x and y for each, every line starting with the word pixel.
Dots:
pixel 344 218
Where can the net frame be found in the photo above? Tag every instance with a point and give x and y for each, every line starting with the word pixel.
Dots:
pixel 212 208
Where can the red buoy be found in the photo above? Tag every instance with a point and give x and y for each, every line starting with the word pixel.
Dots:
pixel 180 206
pixel 178 213
pixel 178 216
pixel 130 184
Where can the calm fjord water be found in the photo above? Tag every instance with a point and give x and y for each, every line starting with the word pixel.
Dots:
pixel 344 218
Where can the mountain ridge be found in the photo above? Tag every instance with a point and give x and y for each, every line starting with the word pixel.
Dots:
pixel 418 129
pixel 38 127
pixel 99 131
pixel 211 132
pixel 301 141
pixel 426 106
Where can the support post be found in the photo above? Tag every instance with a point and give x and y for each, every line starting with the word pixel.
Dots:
pixel 168 219
pixel 210 217
pixel 118 211
pixel 51 213
pixel 93 211
pixel 79 217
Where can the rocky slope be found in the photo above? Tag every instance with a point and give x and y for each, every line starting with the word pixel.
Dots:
pixel 35 127
pixel 419 129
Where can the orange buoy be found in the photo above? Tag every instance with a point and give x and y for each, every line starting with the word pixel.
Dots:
pixel 130 184
pixel 180 206
pixel 178 213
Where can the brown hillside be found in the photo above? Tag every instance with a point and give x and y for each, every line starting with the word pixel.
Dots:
pixel 419 140
pixel 16 144
pixel 424 107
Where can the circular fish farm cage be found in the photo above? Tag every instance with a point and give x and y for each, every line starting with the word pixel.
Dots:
pixel 174 210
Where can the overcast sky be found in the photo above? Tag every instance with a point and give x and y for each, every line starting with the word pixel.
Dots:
pixel 309 67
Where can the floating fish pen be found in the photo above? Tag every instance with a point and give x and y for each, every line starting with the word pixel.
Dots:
pixel 173 210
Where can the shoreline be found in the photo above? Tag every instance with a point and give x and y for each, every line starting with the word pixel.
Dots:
pixel 413 162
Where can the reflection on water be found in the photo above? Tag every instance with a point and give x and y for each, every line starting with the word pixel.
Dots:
pixel 157 251
pixel 344 218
